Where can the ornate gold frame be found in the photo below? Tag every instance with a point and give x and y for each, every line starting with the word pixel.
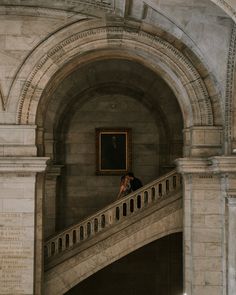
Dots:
pixel 113 151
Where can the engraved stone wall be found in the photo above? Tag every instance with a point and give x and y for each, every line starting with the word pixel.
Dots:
pixel 17 224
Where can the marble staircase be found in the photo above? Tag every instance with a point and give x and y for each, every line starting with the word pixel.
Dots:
pixel 127 224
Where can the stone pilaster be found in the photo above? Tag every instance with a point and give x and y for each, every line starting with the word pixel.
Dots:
pixel 231 238
pixel 52 174
pixel 18 206
pixel 231 242
pixel 204 188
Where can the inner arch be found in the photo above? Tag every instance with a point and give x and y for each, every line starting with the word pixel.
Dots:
pixel 106 93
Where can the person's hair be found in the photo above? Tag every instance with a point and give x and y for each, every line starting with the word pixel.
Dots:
pixel 131 174
pixel 122 178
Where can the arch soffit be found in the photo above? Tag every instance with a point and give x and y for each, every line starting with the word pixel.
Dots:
pixel 60 105
pixel 93 35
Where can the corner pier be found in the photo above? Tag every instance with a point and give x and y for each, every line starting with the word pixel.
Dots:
pixel 20 200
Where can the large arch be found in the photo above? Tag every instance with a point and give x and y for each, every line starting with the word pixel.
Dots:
pixel 189 79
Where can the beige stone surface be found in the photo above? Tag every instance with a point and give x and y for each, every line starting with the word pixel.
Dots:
pixel 191 46
pixel 17 223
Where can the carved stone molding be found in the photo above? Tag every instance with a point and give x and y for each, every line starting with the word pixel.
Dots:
pixel 36 11
pixel 229 88
pixel 125 38
pixel 56 10
pixel 23 164
pixel 192 165
pixel 226 7
pixel 213 165
pixel 222 164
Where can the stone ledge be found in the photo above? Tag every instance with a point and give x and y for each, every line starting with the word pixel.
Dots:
pixel 23 164
pixel 217 164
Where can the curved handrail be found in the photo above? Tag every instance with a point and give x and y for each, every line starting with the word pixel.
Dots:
pixel 158 189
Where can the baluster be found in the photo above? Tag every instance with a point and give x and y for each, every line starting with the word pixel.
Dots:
pixel 56 247
pixel 170 179
pixel 63 242
pixel 142 198
pixel 99 223
pixel 128 207
pixel 121 210
pixel 150 198
pixel 163 188
pixel 110 216
pixel 71 234
pixel 89 230
pixel 92 228
pixel 85 231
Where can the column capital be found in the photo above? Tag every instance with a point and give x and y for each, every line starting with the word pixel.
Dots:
pixel 23 164
pixel 216 164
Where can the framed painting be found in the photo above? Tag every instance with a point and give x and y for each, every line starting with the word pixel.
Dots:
pixel 113 151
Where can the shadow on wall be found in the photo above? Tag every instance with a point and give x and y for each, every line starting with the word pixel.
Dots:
pixel 156 268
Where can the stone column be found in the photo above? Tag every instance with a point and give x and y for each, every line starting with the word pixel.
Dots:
pixel 204 230
pixel 231 243
pixel 230 183
pixel 19 226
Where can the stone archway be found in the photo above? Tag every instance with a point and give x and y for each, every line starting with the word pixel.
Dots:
pixel 193 93
pixel 92 40
pixel 88 41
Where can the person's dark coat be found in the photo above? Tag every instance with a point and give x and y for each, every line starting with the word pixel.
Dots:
pixel 135 184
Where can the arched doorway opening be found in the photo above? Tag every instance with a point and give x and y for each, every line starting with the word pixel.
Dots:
pixel 106 94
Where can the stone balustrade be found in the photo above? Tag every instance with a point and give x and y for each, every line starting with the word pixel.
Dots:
pixel 119 210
